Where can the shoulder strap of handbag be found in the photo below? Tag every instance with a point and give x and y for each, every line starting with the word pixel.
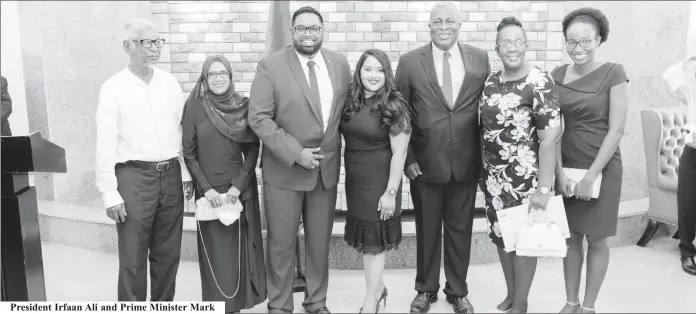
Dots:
pixel 239 259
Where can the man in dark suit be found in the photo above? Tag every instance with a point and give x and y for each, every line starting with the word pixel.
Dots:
pixel 6 108
pixel 442 82
pixel 295 106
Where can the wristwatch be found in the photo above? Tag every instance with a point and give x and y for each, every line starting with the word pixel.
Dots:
pixel 391 192
pixel 544 190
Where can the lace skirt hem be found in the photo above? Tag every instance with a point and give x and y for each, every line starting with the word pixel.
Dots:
pixel 373 237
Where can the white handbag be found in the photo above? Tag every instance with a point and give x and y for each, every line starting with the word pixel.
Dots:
pixel 576 175
pixel 511 219
pixel 227 213
pixel 541 239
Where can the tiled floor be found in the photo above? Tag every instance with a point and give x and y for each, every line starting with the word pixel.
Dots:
pixel 640 280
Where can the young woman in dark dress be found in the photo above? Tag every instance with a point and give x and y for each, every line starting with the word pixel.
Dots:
pixel 376 128
pixel 593 105
pixel 221 151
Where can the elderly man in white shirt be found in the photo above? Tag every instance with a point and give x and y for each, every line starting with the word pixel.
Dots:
pixel 681 80
pixel 139 167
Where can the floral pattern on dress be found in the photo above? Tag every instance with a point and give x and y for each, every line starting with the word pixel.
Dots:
pixel 510 114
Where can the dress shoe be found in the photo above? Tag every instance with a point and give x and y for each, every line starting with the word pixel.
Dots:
pixel 688 265
pixel 320 310
pixel 460 304
pixel 421 304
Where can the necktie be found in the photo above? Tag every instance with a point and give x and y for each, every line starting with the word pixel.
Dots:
pixel 447 79
pixel 313 82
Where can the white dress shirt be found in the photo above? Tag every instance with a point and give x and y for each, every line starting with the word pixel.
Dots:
pixel 136 121
pixel 683 79
pixel 456 68
pixel 324 80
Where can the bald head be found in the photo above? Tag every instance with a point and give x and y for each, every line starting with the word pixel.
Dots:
pixel 135 28
pixel 140 42
pixel 444 25
pixel 446 8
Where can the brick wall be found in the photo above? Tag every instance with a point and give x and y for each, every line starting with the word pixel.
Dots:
pixel 237 29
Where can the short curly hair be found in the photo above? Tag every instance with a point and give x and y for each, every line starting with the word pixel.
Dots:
pixel 507 22
pixel 590 16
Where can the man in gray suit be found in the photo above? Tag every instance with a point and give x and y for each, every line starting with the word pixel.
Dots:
pixel 295 106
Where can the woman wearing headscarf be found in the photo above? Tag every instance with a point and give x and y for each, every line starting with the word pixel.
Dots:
pixel 221 151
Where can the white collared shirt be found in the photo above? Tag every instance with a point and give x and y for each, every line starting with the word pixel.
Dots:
pixel 324 80
pixel 456 68
pixel 679 79
pixel 136 121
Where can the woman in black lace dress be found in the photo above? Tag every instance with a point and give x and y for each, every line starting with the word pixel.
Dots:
pixel 376 128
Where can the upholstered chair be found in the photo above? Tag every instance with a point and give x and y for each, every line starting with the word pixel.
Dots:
pixel 664 143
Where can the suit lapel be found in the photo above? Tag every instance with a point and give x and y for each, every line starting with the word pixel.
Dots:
pixel 466 58
pixel 429 66
pixel 296 69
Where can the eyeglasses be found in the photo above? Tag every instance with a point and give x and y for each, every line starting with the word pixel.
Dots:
pixel 147 43
pixel 585 43
pixel 222 74
pixel 301 30
pixel 438 23
pixel 508 44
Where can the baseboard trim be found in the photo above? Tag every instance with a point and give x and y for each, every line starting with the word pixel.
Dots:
pixel 90 228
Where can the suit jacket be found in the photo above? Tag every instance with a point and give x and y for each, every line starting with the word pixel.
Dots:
pixel 445 142
pixel 287 119
pixel 6 108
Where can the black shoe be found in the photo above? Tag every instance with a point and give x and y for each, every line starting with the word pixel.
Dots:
pixel 688 265
pixel 421 304
pixel 460 304
pixel 320 310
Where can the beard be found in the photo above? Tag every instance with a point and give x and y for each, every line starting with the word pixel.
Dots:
pixel 304 50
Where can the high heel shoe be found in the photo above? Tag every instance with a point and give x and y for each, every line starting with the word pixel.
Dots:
pixel 587 309
pixel 382 297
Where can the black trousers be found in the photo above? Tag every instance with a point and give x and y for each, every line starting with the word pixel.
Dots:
pixel 451 203
pixel 686 200
pixel 154 204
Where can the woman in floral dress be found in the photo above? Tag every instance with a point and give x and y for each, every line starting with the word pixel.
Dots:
pixel 520 120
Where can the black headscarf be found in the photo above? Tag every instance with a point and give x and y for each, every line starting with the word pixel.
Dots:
pixel 234 106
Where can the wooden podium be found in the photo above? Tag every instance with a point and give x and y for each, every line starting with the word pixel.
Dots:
pixel 21 262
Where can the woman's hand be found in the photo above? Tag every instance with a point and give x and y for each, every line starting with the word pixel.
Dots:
pixel 232 195
pixel 386 206
pixel 583 190
pixel 214 198
pixel 565 186
pixel 538 201
pixel 496 229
